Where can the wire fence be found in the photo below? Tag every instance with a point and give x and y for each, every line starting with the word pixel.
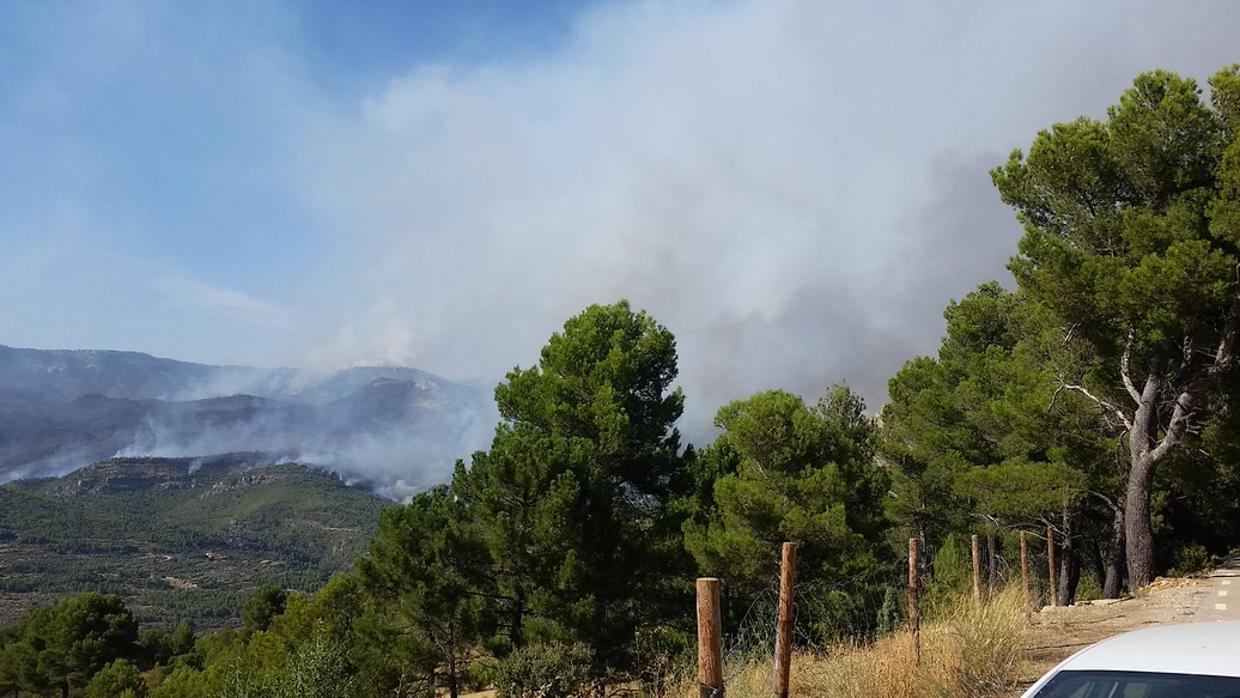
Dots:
pixel 824 613
pixel 856 610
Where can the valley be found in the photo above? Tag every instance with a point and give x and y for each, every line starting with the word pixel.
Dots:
pixel 178 537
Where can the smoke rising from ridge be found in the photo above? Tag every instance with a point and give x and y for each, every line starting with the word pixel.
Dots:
pixel 395 429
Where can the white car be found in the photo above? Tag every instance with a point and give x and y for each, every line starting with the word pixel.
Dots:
pixel 1197 660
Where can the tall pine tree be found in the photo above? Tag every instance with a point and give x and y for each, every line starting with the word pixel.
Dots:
pixel 572 500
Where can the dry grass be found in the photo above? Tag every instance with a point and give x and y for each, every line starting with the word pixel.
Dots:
pixel 971 652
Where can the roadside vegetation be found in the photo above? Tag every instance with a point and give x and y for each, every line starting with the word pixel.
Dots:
pixel 967 651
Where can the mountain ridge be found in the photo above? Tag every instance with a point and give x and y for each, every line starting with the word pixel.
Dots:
pixel 398 426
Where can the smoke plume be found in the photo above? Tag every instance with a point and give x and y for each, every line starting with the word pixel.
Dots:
pixel 795 188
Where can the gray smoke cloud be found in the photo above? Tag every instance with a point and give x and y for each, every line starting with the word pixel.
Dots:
pixel 795 188
pixel 402 457
pixel 395 430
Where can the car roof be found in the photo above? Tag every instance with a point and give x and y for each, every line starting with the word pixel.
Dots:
pixel 1194 648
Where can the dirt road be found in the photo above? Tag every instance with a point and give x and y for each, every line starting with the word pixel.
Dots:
pixel 1057 633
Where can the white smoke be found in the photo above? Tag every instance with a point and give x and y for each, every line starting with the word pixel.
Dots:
pixel 394 446
pixel 795 188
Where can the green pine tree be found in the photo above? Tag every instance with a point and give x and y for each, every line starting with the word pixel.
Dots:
pixel 1132 239
pixel 574 499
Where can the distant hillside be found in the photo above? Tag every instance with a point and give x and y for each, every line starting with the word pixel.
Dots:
pixel 61 375
pixel 394 426
pixel 178 537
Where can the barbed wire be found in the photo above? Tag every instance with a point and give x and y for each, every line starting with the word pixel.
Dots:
pixel 845 611
pixel 823 612
pixel 753 633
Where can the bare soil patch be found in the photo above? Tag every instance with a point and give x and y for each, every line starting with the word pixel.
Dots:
pixel 1054 634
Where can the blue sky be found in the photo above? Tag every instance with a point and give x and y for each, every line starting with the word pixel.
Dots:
pixel 795 187
pixel 150 140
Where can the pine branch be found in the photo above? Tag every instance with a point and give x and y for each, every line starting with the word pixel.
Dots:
pixel 1107 407
pixel 1124 372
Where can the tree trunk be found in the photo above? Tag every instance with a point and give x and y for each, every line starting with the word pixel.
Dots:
pixel 1113 559
pixel 518 618
pixel 1069 560
pixel 1069 577
pixel 1097 566
pixel 1138 532
pixel 454 688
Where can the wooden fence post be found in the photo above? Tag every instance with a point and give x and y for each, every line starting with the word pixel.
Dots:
pixel 977 571
pixel 914 592
pixel 1050 565
pixel 783 631
pixel 1024 568
pixel 710 638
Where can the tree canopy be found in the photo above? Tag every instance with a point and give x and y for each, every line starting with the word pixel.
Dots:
pixel 804 474
pixel 61 647
pixel 1130 241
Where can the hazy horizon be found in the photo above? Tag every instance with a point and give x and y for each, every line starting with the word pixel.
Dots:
pixel 267 367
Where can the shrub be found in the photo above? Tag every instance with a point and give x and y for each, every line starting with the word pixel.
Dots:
pixel 120 679
pixel 890 614
pixel 1191 559
pixel 664 655
pixel 479 675
pixel 317 669
pixel 182 682
pixel 953 573
pixel 549 670
pixel 834 615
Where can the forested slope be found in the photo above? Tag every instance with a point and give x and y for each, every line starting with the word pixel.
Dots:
pixel 178 538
